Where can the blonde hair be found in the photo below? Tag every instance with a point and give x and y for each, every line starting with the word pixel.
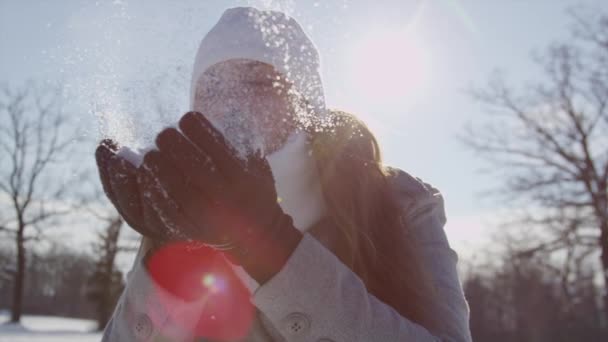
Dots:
pixel 367 220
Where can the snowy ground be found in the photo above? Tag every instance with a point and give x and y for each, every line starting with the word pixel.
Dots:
pixel 47 329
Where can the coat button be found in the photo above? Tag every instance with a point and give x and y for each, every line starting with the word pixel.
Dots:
pixel 296 324
pixel 143 327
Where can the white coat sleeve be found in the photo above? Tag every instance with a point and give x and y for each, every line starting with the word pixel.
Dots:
pixel 141 313
pixel 315 297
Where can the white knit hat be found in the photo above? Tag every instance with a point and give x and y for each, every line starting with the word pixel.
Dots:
pixel 266 36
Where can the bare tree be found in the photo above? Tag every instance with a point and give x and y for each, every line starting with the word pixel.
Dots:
pixel 106 283
pixel 522 300
pixel 550 143
pixel 33 138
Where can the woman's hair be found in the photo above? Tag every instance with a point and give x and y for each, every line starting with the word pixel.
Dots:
pixel 362 208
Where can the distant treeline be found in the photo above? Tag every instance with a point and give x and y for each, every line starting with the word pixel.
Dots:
pixel 58 283
pixel 524 300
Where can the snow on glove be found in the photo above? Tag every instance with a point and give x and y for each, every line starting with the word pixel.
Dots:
pixel 118 178
pixel 203 191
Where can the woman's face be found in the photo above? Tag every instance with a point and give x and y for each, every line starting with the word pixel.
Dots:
pixel 250 102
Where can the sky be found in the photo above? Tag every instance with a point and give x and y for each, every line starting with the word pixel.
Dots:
pixel 404 67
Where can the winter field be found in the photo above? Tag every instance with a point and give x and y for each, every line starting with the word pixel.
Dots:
pixel 47 329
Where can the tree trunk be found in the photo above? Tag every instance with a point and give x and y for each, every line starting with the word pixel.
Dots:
pixel 19 279
pixel 604 256
pixel 601 212
pixel 107 295
pixel 105 303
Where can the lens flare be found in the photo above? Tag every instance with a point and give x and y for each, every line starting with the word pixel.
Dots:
pixel 200 292
pixel 387 66
pixel 208 280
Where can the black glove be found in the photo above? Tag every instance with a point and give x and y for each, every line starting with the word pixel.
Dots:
pixel 202 190
pixel 119 181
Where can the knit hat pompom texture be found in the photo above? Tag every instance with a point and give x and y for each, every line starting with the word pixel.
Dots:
pixel 270 37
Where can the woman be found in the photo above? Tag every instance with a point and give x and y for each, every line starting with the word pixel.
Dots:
pixel 332 245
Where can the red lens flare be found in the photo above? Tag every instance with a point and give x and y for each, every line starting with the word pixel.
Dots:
pixel 200 292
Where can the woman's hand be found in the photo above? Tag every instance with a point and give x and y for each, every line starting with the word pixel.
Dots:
pixel 202 190
pixel 119 181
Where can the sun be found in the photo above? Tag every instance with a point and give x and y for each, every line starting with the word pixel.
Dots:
pixel 388 66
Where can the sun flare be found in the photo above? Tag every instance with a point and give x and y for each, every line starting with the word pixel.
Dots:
pixel 388 66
